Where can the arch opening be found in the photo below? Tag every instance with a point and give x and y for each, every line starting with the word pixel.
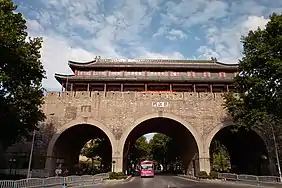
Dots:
pixel 186 150
pixel 241 152
pixel 68 147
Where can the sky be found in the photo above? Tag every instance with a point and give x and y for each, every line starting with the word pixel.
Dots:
pixel 79 30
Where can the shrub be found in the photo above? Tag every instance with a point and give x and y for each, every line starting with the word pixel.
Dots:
pixel 117 175
pixel 112 175
pixel 203 175
pixel 213 175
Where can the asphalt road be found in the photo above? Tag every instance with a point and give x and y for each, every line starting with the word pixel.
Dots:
pixel 161 181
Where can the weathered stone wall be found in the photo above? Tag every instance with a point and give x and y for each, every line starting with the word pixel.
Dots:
pixel 117 110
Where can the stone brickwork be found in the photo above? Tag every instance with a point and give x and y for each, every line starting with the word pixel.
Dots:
pixel 119 112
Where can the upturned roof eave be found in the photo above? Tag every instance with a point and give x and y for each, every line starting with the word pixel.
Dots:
pixel 72 78
pixel 61 77
pixel 166 64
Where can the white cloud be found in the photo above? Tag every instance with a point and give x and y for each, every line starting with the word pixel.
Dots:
pixel 193 12
pixel 149 136
pixel 55 55
pixel 175 33
pixel 171 34
pixel 142 53
pixel 224 43
pixel 80 30
pixel 57 50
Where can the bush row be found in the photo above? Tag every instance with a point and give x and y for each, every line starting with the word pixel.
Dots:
pixel 204 175
pixel 117 176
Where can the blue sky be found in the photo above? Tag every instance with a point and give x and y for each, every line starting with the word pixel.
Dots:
pixel 180 29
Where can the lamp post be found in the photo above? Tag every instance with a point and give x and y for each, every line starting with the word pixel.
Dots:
pixel 30 156
pixel 114 162
pixel 276 153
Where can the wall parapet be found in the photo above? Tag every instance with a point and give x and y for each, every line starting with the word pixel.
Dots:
pixel 117 94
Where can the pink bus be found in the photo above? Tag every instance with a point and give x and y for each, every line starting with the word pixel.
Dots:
pixel 147 169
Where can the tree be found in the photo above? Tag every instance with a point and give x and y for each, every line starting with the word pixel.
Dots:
pixel 259 83
pixel 258 101
pixel 220 159
pixel 161 146
pixel 96 149
pixel 141 149
pixel 21 74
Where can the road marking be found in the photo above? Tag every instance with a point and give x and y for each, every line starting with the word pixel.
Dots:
pixel 186 179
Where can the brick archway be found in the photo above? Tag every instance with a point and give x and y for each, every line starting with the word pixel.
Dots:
pixel 197 137
pixel 252 143
pixel 215 130
pixel 49 167
pixel 210 136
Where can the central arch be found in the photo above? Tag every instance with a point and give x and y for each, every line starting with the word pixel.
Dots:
pixel 69 134
pixel 160 117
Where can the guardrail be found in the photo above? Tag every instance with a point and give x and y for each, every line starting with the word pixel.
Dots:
pixel 54 181
pixel 250 178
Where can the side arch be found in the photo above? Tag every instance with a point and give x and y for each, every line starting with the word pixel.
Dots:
pixel 61 130
pixel 190 128
pixel 215 130
pixel 252 143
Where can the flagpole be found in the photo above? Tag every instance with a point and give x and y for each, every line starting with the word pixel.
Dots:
pixel 30 156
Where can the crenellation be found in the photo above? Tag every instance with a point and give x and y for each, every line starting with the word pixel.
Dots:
pixel 218 96
pixel 65 96
pixel 82 94
pixel 206 96
pixel 52 96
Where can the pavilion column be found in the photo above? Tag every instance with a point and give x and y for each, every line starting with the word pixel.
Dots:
pixel 211 88
pixel 146 87
pixel 170 87
pixel 88 87
pixel 227 88
pixel 62 87
pixel 194 87
pixel 105 88
pixel 72 87
pixel 121 87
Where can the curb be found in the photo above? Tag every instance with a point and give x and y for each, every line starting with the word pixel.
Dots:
pixel 222 182
pixel 117 181
pixel 127 179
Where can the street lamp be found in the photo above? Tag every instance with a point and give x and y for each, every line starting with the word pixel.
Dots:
pixel 30 156
pixel 276 153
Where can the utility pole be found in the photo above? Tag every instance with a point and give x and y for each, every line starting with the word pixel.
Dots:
pixel 30 156
pixel 276 153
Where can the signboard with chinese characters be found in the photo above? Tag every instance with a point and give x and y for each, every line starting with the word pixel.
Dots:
pixel 160 104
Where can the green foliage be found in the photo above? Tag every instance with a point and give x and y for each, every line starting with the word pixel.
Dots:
pixel 258 103
pixel 96 150
pixel 117 176
pixel 220 159
pixel 21 74
pixel 161 148
pixel 259 84
pixel 213 175
pixel 141 149
pixel 203 175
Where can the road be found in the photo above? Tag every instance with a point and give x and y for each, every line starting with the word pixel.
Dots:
pixel 161 181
